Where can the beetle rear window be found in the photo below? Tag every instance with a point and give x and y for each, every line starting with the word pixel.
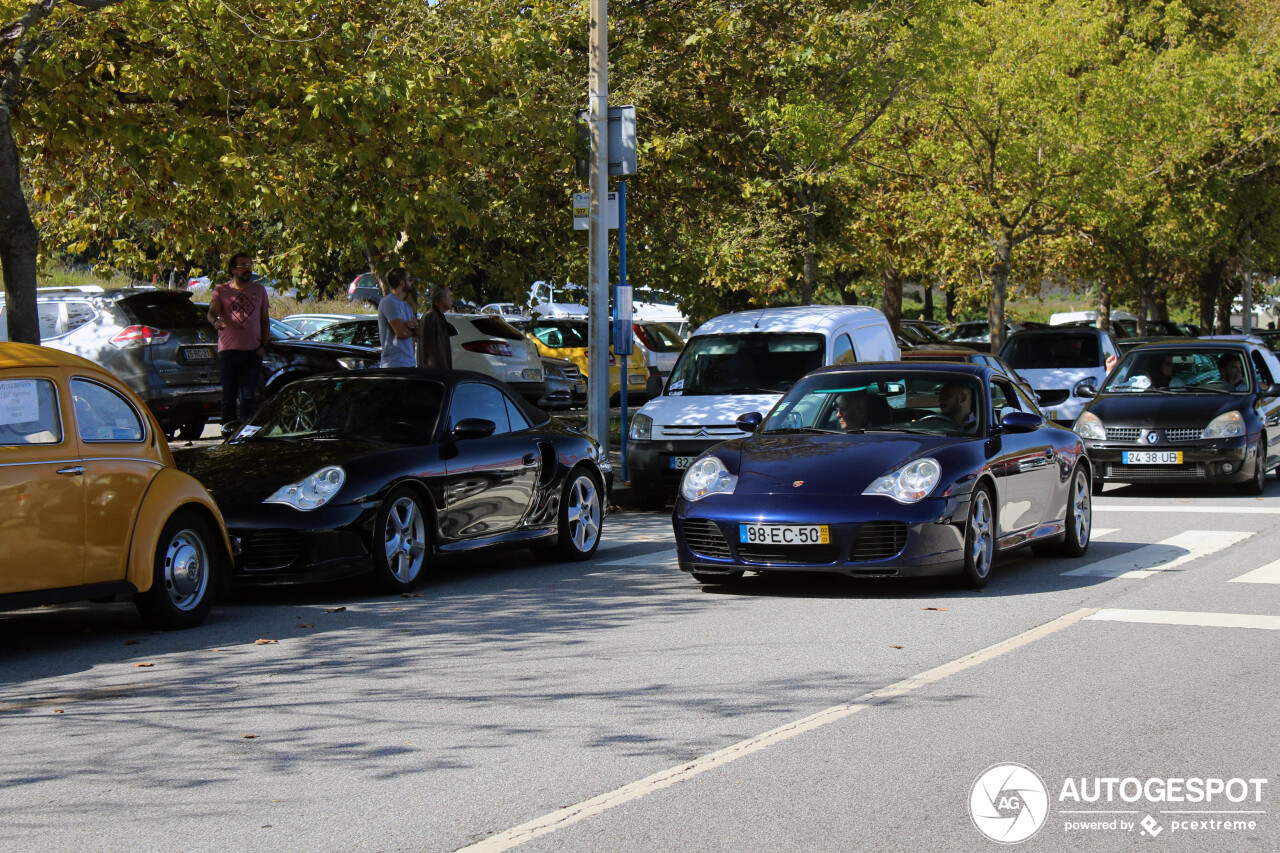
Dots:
pixel 29 412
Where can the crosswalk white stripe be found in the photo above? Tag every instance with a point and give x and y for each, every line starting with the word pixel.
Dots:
pixel 1099 532
pixel 1164 509
pixel 1169 554
pixel 1179 617
pixel 653 558
pixel 1270 573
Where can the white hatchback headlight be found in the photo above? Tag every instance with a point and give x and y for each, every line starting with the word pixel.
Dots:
pixel 641 427
pixel 707 476
pixel 908 484
pixel 1225 425
pixel 311 492
pixel 1089 425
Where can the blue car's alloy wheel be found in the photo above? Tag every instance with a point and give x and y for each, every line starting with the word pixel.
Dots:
pixel 979 540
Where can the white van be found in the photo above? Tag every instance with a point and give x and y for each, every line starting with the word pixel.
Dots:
pixel 739 363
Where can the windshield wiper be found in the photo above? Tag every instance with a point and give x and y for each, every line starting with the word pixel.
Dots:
pixel 807 430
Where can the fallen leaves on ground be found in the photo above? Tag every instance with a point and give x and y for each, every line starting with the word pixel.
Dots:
pixel 334 609
pixel 306 624
pixel 144 664
pixel 264 642
pixel 132 642
pixel 411 595
pixel 248 737
pixel 933 608
pixel 895 647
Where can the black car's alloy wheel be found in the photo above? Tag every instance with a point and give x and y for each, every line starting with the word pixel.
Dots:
pixel 579 521
pixel 1257 483
pixel 400 541
pixel 979 541
pixel 187 562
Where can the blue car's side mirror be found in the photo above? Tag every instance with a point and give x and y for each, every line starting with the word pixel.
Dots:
pixel 750 422
pixel 1021 422
pixel 468 428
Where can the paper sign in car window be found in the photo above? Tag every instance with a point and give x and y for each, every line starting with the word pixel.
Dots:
pixel 19 403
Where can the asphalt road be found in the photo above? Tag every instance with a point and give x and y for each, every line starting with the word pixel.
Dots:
pixel 617 705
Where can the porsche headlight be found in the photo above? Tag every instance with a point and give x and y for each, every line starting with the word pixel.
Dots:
pixel 910 483
pixel 641 427
pixel 1225 425
pixel 707 476
pixel 311 492
pixel 1089 425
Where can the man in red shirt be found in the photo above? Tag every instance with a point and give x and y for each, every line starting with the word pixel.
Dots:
pixel 240 311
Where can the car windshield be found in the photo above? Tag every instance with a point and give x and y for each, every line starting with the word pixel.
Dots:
pixel 1181 371
pixel 748 363
pixel 881 401
pixel 1051 351
pixel 392 409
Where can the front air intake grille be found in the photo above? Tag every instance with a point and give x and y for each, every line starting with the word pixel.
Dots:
pixel 796 555
pixel 271 549
pixel 1123 433
pixel 1134 473
pixel 705 539
pixel 879 540
pixel 1182 434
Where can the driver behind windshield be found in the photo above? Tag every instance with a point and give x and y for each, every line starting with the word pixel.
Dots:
pixel 955 400
pixel 1233 373
pixel 853 410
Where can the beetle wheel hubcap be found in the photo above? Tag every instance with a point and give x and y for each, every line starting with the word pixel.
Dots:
pixel 404 539
pixel 582 514
pixel 981 543
pixel 186 569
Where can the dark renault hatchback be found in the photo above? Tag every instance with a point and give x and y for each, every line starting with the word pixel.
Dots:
pixel 1196 412
pixel 156 341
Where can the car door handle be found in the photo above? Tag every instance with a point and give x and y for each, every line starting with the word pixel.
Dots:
pixel 75 470
pixel 1048 453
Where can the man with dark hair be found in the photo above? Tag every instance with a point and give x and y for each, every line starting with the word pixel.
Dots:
pixel 397 325
pixel 853 410
pixel 955 401
pixel 240 310
pixel 435 349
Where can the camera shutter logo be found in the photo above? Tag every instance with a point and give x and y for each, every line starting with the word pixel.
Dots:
pixel 1008 803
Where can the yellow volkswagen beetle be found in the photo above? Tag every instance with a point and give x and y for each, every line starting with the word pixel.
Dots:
pixel 91 504
pixel 567 338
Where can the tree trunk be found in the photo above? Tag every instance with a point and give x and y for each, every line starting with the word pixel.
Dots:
pixel 1210 286
pixel 19 244
pixel 928 300
pixel 843 280
pixel 810 233
pixel 949 295
pixel 999 286
pixel 891 299
pixel 1223 324
pixel 1161 299
pixel 1104 307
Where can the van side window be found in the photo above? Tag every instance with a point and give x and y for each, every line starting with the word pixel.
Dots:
pixel 843 353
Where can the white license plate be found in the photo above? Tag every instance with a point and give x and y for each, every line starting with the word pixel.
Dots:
pixel 679 463
pixel 1151 457
pixel 784 534
pixel 198 353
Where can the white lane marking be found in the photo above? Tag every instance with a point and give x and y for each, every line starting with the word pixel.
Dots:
pixel 1099 532
pixel 1177 617
pixel 1270 573
pixel 1229 510
pixel 651 559
pixel 1169 554
pixel 569 815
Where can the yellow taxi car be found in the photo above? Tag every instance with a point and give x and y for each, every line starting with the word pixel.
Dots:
pixel 567 338
pixel 91 504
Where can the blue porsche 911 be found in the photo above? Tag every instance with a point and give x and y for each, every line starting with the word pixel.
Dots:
pixel 886 470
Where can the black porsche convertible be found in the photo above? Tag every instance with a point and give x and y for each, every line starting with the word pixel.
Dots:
pixel 387 470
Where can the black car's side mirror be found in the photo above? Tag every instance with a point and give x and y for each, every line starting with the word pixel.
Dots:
pixel 1021 422
pixel 230 429
pixel 750 422
pixel 468 428
pixel 653 387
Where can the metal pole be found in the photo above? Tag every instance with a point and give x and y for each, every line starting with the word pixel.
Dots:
pixel 622 282
pixel 598 255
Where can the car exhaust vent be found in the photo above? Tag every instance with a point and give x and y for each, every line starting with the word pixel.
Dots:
pixel 271 549
pixel 791 555
pixel 879 540
pixel 705 539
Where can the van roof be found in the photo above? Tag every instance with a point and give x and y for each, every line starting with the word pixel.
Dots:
pixel 797 318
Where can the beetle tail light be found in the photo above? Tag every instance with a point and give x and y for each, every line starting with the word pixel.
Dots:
pixel 499 348
pixel 139 336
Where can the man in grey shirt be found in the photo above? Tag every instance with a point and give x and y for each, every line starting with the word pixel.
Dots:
pixel 397 325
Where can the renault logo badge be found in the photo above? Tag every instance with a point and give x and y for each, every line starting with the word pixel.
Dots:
pixel 1152 437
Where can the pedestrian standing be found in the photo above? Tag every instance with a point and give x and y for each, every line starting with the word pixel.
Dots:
pixel 240 311
pixel 435 350
pixel 397 325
